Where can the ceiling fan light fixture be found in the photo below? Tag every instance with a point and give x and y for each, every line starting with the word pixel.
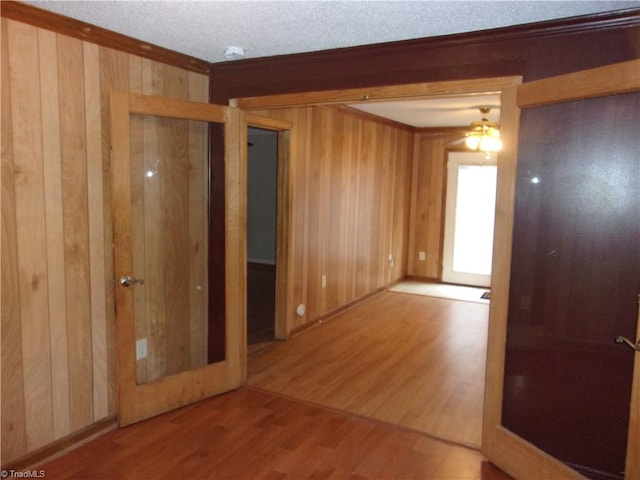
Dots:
pixel 484 135
pixel 472 141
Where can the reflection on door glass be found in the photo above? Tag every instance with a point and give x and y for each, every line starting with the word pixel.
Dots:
pixel 169 194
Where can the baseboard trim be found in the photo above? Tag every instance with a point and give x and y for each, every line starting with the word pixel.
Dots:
pixel 63 445
pixel 415 278
pixel 337 311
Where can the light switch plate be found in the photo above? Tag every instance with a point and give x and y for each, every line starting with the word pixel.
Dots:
pixel 141 349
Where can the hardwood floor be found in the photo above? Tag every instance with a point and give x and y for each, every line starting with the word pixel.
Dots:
pixel 261 292
pixel 375 360
pixel 250 434
pixel 405 359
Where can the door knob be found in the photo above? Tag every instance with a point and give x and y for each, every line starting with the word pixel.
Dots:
pixel 127 281
pixel 629 343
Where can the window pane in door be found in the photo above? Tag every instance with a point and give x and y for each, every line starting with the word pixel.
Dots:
pixel 170 202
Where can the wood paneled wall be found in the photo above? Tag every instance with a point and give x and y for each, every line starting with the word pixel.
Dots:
pixel 427 204
pixel 58 352
pixel 350 180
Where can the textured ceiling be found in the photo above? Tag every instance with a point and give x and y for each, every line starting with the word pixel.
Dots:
pixel 436 112
pixel 203 29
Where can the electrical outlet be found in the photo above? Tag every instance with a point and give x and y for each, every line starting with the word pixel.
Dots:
pixel 422 256
pixel 141 349
pixel 324 281
pixel 390 261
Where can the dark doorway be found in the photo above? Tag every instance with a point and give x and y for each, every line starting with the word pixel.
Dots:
pixel 262 173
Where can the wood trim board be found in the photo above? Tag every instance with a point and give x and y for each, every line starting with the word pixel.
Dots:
pixel 373 94
pixel 612 79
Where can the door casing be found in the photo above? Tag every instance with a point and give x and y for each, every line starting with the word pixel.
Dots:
pixel 283 215
pixel 287 303
pixel 494 435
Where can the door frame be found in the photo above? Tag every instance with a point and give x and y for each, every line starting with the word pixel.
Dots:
pixel 502 447
pixel 138 402
pixel 364 95
pixel 283 215
pixel 494 435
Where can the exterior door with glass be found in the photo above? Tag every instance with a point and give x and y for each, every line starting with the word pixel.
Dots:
pixel 469 218
pixel 563 390
pixel 179 258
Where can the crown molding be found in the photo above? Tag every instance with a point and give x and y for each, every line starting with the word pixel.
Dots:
pixel 38 17
pixel 584 23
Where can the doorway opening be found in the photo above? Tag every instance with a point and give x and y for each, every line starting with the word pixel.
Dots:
pixel 262 188
pixel 265 105
pixel 469 218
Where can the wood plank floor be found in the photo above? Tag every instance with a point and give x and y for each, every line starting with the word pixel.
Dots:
pixel 405 359
pixel 250 434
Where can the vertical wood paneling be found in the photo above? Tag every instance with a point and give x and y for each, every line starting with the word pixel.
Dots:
pixel 95 182
pixel 14 437
pixel 49 88
pixel 348 186
pixel 76 229
pixel 350 197
pixel 355 192
pixel 428 206
pixel 367 205
pixel 31 234
pixel 336 213
pixel 58 320
pixel 304 151
pixel 403 196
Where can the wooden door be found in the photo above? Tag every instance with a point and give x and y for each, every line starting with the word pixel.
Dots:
pixel 568 284
pixel 179 258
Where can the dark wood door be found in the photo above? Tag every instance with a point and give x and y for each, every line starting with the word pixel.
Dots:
pixel 575 280
pixel 562 395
